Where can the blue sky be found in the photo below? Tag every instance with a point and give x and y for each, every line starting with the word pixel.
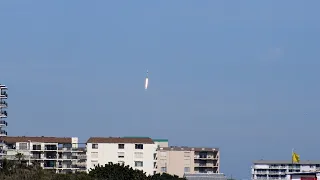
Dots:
pixel 240 75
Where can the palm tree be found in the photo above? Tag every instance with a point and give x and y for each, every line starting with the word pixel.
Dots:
pixel 19 157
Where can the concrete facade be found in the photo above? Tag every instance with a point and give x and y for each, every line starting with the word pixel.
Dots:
pixel 138 153
pixel 187 160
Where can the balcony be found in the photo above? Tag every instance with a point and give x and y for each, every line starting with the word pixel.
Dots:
pixel 65 149
pixel 3 114
pixel 3 133
pixel 2 86
pixel 81 164
pixel 3 104
pixel 206 157
pixel 82 157
pixel 3 95
pixel 78 149
pixel 50 148
pixel 3 123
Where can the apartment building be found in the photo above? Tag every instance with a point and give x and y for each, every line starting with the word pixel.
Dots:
pixel 265 170
pixel 80 154
pixel 187 160
pixel 137 152
pixel 3 112
pixel 3 116
pixel 52 153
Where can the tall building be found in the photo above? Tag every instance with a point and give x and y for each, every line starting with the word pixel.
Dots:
pixel 137 152
pixel 3 116
pixel 3 112
pixel 52 153
pixel 186 160
pixel 265 170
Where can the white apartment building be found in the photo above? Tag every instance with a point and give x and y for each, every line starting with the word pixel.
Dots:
pixel 53 153
pixel 265 170
pixel 137 152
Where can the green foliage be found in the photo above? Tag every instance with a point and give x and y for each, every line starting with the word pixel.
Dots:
pixel 15 170
pixel 120 172
pixel 165 176
pixel 116 172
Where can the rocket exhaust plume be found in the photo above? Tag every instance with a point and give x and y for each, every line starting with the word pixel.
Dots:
pixel 146 82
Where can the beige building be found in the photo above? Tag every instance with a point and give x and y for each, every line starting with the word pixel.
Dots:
pixel 186 160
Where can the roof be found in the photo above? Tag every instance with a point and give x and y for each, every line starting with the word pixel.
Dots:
pixel 176 148
pixel 267 162
pixel 14 139
pixel 160 140
pixel 119 140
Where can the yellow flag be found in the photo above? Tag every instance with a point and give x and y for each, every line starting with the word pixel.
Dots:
pixel 295 157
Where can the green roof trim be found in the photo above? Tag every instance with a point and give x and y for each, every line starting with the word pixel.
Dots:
pixel 161 140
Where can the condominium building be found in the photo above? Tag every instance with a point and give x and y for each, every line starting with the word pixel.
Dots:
pixel 187 160
pixel 3 116
pixel 265 170
pixel 81 155
pixel 138 153
pixel 53 153
pixel 3 112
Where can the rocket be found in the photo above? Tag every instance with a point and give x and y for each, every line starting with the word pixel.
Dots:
pixel 146 82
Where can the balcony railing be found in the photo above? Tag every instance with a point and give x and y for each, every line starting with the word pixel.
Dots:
pixel 64 148
pixel 3 123
pixel 3 133
pixel 3 104
pixel 50 148
pixel 206 157
pixel 4 94
pixel 3 114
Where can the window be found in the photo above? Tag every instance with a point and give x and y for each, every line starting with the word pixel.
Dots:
pixel 94 155
pixel 138 164
pixel 120 154
pixel 138 154
pixel 94 146
pixel 94 163
pixel 187 169
pixel 186 154
pixel 139 146
pixel 37 147
pixel 120 146
pixel 163 169
pixel 163 154
pixel 23 146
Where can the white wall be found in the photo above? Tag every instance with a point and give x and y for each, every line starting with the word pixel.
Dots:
pixel 307 168
pixel 109 153
pixel 261 166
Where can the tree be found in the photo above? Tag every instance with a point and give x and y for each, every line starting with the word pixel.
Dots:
pixel 11 170
pixel 112 171
pixel 165 176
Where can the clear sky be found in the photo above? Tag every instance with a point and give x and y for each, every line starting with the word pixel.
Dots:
pixel 238 75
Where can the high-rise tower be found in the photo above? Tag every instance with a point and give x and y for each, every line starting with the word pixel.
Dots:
pixel 3 112
pixel 3 122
